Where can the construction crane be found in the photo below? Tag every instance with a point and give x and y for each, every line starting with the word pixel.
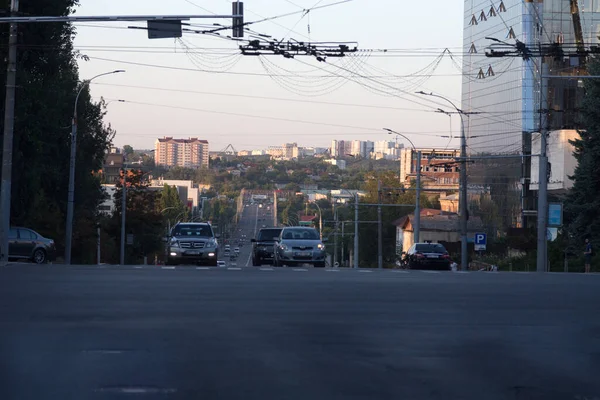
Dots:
pixel 575 14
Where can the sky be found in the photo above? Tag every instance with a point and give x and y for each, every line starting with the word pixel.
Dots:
pixel 201 87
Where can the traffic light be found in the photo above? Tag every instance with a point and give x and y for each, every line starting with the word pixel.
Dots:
pixel 238 23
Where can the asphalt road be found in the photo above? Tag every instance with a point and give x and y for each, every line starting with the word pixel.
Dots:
pixel 220 333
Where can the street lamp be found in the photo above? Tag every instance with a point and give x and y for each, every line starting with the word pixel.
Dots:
pixel 417 227
pixel 464 259
pixel 71 195
pixel 320 220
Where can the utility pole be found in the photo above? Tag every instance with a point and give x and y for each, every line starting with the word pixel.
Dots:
pixel 417 227
pixel 542 241
pixel 335 234
pixel 342 255
pixel 98 232
pixel 123 213
pixel 464 211
pixel 9 126
pixel 356 230
pixel 379 228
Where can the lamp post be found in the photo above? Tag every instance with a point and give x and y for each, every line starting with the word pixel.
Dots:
pixel 71 195
pixel 464 258
pixel 320 220
pixel 417 227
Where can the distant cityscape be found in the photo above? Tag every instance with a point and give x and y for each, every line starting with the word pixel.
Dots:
pixel 194 152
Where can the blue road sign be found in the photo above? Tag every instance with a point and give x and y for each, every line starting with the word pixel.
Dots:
pixel 480 241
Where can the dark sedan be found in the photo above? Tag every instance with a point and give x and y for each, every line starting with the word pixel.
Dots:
pixel 26 244
pixel 427 256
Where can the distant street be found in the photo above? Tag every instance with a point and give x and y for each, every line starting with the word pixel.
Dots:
pixel 294 333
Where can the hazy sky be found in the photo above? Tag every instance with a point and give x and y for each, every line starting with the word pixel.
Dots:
pixel 196 102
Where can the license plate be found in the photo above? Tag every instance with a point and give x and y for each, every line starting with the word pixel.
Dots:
pixel 192 253
pixel 303 254
pixel 433 256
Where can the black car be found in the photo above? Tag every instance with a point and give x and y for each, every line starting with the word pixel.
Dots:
pixel 26 244
pixel 263 246
pixel 427 256
pixel 192 243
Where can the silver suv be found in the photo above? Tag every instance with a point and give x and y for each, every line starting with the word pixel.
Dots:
pixel 192 243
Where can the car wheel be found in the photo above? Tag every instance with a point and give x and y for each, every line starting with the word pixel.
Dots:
pixel 39 256
pixel 169 262
pixel 213 263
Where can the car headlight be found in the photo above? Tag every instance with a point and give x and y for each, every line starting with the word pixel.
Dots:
pixel 284 247
pixel 174 243
pixel 321 246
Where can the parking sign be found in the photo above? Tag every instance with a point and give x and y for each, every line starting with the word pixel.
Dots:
pixel 480 242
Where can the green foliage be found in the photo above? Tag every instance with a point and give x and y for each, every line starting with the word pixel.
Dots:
pixel 170 206
pixel 582 208
pixel 127 150
pixel 143 221
pixel 47 84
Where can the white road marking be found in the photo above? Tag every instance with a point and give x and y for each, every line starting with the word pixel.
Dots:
pixel 267 269
pixel 365 271
pixel 431 272
pixel 332 270
pixel 203 268
pixel 167 267
pixel 300 270
pixel 401 272
pixel 234 269
pixel 136 390
pixel 137 267
pixel 460 272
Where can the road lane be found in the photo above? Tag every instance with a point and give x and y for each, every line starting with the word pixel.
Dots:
pixel 250 334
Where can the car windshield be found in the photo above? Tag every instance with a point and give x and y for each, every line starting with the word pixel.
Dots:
pixel 269 234
pixel 430 248
pixel 300 234
pixel 192 230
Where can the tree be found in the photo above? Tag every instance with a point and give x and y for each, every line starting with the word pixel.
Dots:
pixel 582 208
pixel 47 84
pixel 127 150
pixel 170 206
pixel 143 220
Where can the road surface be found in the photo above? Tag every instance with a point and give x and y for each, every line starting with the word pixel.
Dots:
pixel 293 333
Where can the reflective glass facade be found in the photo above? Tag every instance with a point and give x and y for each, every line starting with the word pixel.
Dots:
pixel 506 94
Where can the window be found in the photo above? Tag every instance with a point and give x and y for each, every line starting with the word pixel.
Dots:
pixel 26 234
pixel 12 234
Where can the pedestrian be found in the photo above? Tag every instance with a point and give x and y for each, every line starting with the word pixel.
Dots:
pixel 588 256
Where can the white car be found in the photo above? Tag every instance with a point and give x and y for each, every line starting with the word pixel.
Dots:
pixel 236 250
pixel 221 263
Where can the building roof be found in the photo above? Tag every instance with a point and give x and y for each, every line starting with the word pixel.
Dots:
pixel 182 141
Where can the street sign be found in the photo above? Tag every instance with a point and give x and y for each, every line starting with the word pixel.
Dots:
pixel 164 29
pixel 480 242
pixel 555 214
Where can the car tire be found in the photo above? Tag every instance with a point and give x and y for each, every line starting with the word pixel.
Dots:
pixel 39 256
pixel 171 263
pixel 213 263
pixel 319 265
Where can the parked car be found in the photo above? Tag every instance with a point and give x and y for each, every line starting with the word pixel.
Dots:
pixel 427 256
pixel 299 245
pixel 262 246
pixel 27 244
pixel 221 263
pixel 192 243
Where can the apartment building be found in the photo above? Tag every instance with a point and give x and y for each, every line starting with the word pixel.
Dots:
pixel 439 169
pixel 190 153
